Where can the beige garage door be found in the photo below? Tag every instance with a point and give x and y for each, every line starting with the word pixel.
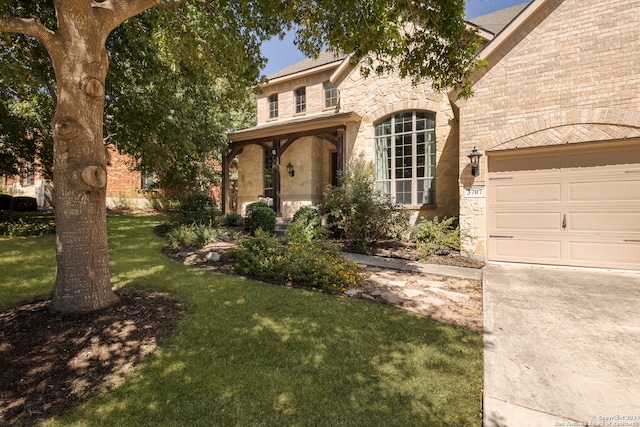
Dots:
pixel 574 205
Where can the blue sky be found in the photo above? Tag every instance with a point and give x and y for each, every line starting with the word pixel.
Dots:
pixel 282 53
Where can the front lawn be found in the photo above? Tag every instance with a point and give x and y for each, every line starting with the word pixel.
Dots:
pixel 248 353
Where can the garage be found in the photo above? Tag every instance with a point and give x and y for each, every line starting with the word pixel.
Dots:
pixel 575 205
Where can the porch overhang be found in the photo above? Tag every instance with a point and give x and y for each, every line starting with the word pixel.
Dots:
pixel 296 127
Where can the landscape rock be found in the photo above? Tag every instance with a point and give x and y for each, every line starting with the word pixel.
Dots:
pixel 213 256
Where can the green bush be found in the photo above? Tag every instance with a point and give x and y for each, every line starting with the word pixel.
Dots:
pixel 196 208
pixel 24 204
pixel 436 237
pixel 260 217
pixel 188 235
pixel 14 224
pixel 232 219
pixel 307 222
pixel 5 202
pixel 301 262
pixel 356 209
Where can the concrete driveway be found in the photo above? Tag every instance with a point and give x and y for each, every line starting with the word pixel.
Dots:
pixel 561 347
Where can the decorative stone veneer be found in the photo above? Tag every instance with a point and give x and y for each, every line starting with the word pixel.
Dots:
pixel 375 98
pixel 568 75
pixel 372 98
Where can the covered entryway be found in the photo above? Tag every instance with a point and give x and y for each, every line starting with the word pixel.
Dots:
pixel 575 205
pixel 327 129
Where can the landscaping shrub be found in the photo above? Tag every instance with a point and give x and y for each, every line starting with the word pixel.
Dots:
pixel 301 262
pixel 24 204
pixel 307 222
pixel 360 212
pixel 187 235
pixel 14 224
pixel 196 208
pixel 436 237
pixel 232 219
pixel 5 202
pixel 260 217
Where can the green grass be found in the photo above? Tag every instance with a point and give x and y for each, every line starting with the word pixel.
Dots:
pixel 254 354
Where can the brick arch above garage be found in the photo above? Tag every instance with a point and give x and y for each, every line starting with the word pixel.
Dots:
pixel 568 127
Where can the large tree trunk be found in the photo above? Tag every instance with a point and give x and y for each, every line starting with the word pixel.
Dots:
pixel 79 166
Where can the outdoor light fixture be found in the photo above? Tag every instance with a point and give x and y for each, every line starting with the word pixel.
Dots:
pixel 474 159
pixel 290 170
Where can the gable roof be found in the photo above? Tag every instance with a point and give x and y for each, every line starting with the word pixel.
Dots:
pixel 324 58
pixel 497 21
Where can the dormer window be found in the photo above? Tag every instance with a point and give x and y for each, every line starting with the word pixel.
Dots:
pixel 273 106
pixel 330 95
pixel 301 100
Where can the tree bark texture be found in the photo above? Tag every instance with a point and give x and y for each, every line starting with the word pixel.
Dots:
pixel 78 53
pixel 80 160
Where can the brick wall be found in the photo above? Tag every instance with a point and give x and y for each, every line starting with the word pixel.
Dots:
pixel 568 75
pixel 122 178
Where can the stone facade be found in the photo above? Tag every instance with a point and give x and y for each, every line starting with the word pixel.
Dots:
pixel 372 99
pixel 377 97
pixel 568 74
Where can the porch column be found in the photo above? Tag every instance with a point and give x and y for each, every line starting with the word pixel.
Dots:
pixel 342 152
pixel 275 151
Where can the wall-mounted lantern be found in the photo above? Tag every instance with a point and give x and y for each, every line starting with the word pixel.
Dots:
pixel 290 170
pixel 474 159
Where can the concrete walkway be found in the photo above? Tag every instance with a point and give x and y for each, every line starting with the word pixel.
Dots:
pixel 562 347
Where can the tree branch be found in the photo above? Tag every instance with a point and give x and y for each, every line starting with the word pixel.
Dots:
pixel 112 13
pixel 28 26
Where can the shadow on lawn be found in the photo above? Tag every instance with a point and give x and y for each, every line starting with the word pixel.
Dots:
pixel 51 362
pixel 257 359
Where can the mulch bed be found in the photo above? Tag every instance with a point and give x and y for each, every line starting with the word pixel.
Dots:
pixel 52 362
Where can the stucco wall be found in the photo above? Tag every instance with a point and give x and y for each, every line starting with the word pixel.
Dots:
pixel 308 156
pixel 569 75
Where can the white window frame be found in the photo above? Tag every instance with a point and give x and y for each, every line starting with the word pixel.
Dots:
pixel 272 102
pixel 405 147
pixel 300 100
pixel 330 95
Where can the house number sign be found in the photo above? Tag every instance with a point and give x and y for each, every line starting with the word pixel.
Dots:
pixel 474 192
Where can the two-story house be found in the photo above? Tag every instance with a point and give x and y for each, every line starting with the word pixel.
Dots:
pixel 320 115
pixel 555 117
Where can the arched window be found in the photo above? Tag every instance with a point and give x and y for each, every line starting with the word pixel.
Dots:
pixel 273 106
pixel 406 157
pixel 301 100
pixel 330 95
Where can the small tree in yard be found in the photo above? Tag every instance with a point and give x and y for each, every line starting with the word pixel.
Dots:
pixel 361 212
pixel 227 36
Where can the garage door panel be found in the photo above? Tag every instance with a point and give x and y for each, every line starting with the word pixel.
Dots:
pixel 593 189
pixel 513 222
pixel 616 254
pixel 542 163
pixel 527 193
pixel 605 190
pixel 528 250
pixel 603 222
pixel 601 156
